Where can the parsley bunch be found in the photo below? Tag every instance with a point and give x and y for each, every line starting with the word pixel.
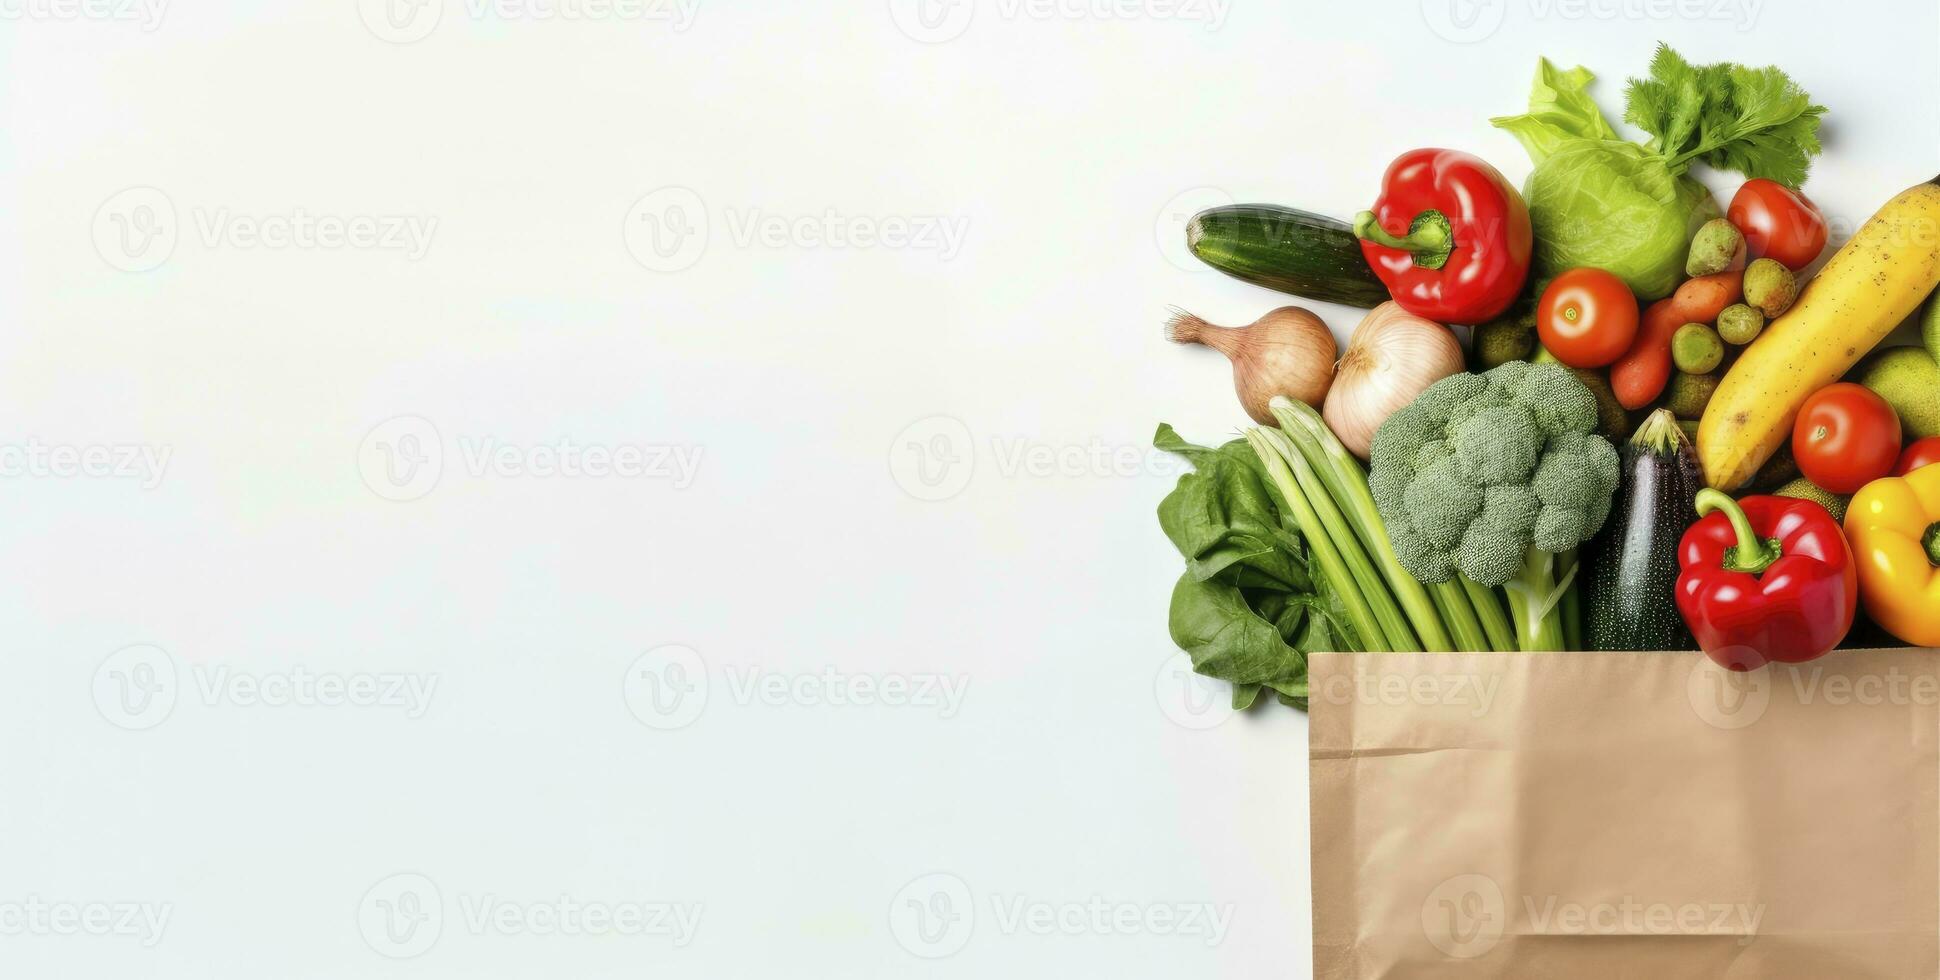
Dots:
pixel 1755 121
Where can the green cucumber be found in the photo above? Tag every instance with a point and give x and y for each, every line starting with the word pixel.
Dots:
pixel 1631 596
pixel 1291 251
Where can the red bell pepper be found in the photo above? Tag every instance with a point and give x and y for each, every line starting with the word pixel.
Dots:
pixel 1764 579
pixel 1449 236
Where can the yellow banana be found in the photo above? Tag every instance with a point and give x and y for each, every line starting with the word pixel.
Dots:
pixel 1872 284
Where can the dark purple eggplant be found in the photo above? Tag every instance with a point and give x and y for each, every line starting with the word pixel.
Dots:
pixel 1633 559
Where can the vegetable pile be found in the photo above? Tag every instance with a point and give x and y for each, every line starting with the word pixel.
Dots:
pixel 1635 355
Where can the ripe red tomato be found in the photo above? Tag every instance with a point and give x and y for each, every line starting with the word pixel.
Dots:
pixel 1846 437
pixel 1587 318
pixel 1920 452
pixel 1778 222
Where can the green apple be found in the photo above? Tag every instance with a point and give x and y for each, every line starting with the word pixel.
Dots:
pixel 1909 379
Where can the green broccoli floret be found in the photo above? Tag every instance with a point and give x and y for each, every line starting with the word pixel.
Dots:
pixel 1491 476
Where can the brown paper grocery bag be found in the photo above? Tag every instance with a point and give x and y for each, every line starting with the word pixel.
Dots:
pixel 1645 815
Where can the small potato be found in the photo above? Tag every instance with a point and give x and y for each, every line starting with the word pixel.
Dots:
pixel 1696 349
pixel 1713 248
pixel 1770 287
pixel 1740 324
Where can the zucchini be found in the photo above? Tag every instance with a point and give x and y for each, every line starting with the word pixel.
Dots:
pixel 1288 250
pixel 1633 560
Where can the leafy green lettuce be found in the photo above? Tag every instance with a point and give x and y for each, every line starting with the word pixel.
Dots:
pixel 1597 199
pixel 1249 607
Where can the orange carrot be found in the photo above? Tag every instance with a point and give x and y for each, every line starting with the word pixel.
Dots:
pixel 1639 376
pixel 1700 300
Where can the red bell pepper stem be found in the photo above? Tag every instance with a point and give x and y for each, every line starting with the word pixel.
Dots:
pixel 1430 239
pixel 1752 555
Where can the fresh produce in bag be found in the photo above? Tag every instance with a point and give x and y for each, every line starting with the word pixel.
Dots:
pixel 1600 200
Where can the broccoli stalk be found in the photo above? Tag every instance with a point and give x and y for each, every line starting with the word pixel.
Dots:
pixel 1536 598
pixel 1493 480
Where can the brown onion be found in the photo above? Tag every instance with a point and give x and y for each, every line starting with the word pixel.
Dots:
pixel 1286 352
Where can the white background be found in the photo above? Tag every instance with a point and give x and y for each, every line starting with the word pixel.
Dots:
pixel 1019 371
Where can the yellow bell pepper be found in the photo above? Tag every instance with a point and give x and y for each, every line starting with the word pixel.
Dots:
pixel 1894 528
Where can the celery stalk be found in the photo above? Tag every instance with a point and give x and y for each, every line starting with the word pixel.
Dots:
pixel 1394 624
pixel 1347 482
pixel 1359 614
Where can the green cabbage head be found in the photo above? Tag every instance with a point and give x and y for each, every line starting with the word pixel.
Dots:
pixel 1596 199
pixel 1614 205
